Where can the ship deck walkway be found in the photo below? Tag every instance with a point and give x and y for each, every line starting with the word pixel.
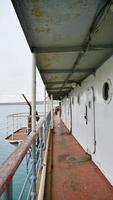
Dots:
pixel 73 174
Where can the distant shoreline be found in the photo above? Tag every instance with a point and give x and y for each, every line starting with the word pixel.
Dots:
pixel 23 103
pixel 19 103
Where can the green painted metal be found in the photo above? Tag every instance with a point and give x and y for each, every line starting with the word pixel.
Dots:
pixel 68 36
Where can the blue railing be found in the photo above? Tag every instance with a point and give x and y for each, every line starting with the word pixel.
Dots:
pixel 9 167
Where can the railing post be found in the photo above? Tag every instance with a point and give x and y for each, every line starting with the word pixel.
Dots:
pixel 51 111
pixel 45 123
pixel 45 102
pixel 33 194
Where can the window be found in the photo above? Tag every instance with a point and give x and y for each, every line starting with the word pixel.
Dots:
pixel 107 91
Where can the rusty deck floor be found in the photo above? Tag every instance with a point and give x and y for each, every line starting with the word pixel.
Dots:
pixel 74 175
pixel 17 136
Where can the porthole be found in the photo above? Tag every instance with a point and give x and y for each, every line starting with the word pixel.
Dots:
pixel 107 91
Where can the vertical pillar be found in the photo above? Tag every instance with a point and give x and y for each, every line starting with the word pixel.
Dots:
pixel 51 111
pixel 33 194
pixel 45 102
pixel 48 104
pixel 45 122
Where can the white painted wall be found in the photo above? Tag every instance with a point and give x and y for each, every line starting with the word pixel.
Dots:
pixel 103 118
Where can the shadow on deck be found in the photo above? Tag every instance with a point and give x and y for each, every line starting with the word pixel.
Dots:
pixel 71 175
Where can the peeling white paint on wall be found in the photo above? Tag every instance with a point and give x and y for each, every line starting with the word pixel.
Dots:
pixel 92 118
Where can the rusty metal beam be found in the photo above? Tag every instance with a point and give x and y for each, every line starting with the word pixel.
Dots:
pixel 60 82
pixel 70 49
pixel 65 88
pixel 54 71
pixel 61 93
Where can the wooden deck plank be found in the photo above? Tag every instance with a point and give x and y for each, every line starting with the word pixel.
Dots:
pixel 18 135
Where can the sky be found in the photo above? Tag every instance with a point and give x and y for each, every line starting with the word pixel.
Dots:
pixel 15 58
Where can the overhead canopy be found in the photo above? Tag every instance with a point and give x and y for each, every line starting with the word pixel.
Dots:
pixel 71 38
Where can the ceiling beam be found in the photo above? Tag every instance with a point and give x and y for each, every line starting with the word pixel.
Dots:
pixel 54 71
pixel 60 82
pixel 59 92
pixel 71 48
pixel 95 25
pixel 65 88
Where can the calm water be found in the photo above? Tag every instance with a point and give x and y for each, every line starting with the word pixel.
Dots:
pixel 6 148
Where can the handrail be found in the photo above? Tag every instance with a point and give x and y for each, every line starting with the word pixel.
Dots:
pixel 16 114
pixel 9 166
pixel 17 121
pixel 43 177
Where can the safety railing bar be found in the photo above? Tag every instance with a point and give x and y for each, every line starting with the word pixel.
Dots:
pixel 28 159
pixel 21 115
pixel 42 181
pixel 39 167
pixel 37 164
pixel 18 116
pixel 30 188
pixel 21 194
pixel 14 114
pixel 9 166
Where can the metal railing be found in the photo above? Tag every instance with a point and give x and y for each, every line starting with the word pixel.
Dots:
pixel 16 121
pixel 9 167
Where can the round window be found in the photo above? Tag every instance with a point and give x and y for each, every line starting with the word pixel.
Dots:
pixel 107 91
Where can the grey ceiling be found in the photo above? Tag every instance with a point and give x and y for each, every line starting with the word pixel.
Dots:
pixel 71 38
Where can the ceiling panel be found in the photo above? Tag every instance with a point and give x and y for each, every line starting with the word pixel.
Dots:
pixel 70 38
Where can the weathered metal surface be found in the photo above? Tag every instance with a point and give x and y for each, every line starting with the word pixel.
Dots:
pixel 60 71
pixel 75 34
pixel 70 49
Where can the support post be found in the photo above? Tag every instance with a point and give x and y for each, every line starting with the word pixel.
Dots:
pixel 33 194
pixel 51 111
pixel 48 104
pixel 45 123
pixel 45 102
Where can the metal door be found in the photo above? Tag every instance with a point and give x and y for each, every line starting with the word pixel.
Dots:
pixel 90 121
